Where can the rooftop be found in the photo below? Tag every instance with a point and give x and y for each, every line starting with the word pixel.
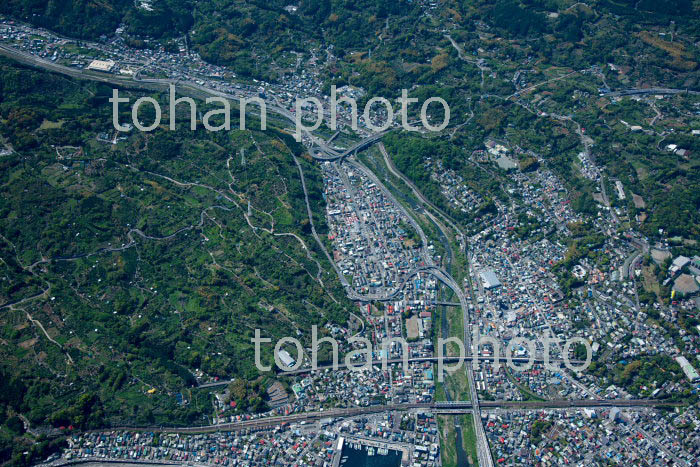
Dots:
pixel 489 278
pixel 686 284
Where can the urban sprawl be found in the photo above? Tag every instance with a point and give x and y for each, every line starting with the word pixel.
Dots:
pixel 393 272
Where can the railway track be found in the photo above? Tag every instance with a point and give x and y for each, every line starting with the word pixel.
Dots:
pixel 461 406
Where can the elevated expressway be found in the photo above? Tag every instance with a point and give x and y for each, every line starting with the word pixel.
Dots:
pixel 327 153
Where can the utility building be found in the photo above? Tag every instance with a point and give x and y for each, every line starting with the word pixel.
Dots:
pixel 489 279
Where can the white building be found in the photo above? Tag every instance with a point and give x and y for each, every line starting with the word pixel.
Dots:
pixel 101 65
pixel 489 279
pixel 687 368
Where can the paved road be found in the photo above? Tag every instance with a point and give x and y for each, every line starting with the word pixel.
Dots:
pixel 656 443
pixel 327 153
pixel 483 451
pixel 636 91
pixel 342 366
pixel 163 84
pixel 463 406
pixel 482 444
pixel 418 194
pixel 330 154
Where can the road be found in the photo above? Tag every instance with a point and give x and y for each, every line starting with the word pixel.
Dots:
pixel 461 406
pixel 482 444
pixel 587 142
pixel 417 193
pixel 483 451
pixel 41 326
pixel 194 88
pixel 655 442
pixel 330 154
pixel 342 366
pixel 636 91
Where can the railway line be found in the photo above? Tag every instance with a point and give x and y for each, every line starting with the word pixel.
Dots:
pixel 327 153
pixel 446 407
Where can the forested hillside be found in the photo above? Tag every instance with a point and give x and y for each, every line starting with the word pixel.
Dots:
pixel 130 263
